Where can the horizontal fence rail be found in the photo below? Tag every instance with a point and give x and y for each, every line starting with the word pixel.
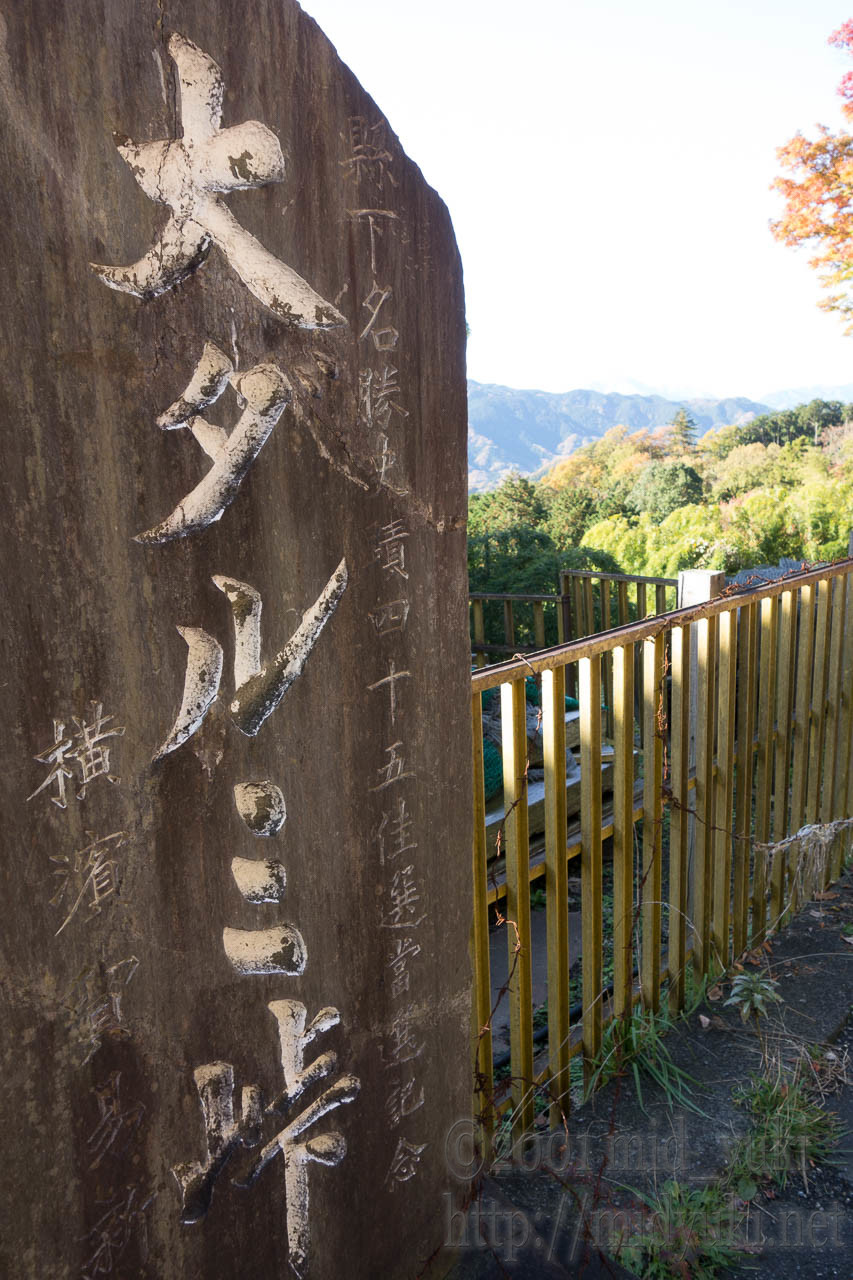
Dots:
pixel 702 741
pixel 587 603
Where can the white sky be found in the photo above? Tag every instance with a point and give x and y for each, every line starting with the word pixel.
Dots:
pixel 606 164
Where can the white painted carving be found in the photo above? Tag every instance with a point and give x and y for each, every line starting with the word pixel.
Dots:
pixel 227 1129
pixel 266 391
pixel 84 750
pixel 262 951
pixel 257 697
pixel 246 605
pixel 201 685
pixel 328 1148
pixel 262 881
pixel 261 806
pixel 189 174
pixel 258 694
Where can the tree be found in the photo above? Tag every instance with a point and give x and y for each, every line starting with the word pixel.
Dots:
pixel 664 487
pixel 682 433
pixel 516 501
pixel 819 197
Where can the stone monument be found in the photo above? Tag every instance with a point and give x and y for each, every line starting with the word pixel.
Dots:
pixel 235 678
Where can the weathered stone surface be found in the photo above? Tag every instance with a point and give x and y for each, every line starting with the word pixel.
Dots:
pixel 125 880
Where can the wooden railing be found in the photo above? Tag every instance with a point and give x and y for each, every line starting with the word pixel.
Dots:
pixel 746 725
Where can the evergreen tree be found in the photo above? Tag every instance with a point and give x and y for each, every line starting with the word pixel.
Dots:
pixel 682 433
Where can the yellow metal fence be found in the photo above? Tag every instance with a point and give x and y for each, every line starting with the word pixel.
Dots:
pixel 741 736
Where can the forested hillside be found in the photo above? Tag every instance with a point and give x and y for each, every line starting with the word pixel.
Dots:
pixel 531 430
pixel 654 502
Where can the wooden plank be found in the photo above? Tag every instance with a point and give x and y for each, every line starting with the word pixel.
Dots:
pixel 724 786
pixel 638 668
pixel 703 845
pixel 660 598
pixel 589 679
pixel 514 744
pixel 479 631
pixel 845 726
pixel 589 606
pixel 623 613
pixel 650 888
pixel 578 607
pixel 564 611
pixel 481 1004
pixel 747 652
pixel 509 625
pixel 782 748
pixel 556 889
pixel 678 818
pixel 802 732
pixel 818 702
pixel 607 660
pixel 604 590
pixel 623 830
pixel 764 773
pixel 539 624
pixel 833 707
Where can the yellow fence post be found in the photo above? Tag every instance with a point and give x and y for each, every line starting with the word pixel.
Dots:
pixel 679 771
pixel 514 743
pixel 589 680
pixel 782 739
pixel 705 725
pixel 833 714
pixel 654 719
pixel 539 623
pixel 484 1085
pixel 623 830
pixel 556 888
pixel 764 776
pixel 724 785
pixel 745 765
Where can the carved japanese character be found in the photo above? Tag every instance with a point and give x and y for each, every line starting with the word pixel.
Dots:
pixel 116 1122
pixel 91 872
pixel 393 770
pixel 190 174
pixel 265 391
pixel 405 1163
pixel 228 1130
pixel 84 750
pixel 391 681
pixel 259 687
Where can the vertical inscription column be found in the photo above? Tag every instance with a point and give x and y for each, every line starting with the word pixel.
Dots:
pixel 237 869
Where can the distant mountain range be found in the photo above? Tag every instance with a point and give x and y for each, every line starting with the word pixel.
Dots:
pixel 531 430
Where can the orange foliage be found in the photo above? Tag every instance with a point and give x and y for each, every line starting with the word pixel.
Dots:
pixel 819 197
